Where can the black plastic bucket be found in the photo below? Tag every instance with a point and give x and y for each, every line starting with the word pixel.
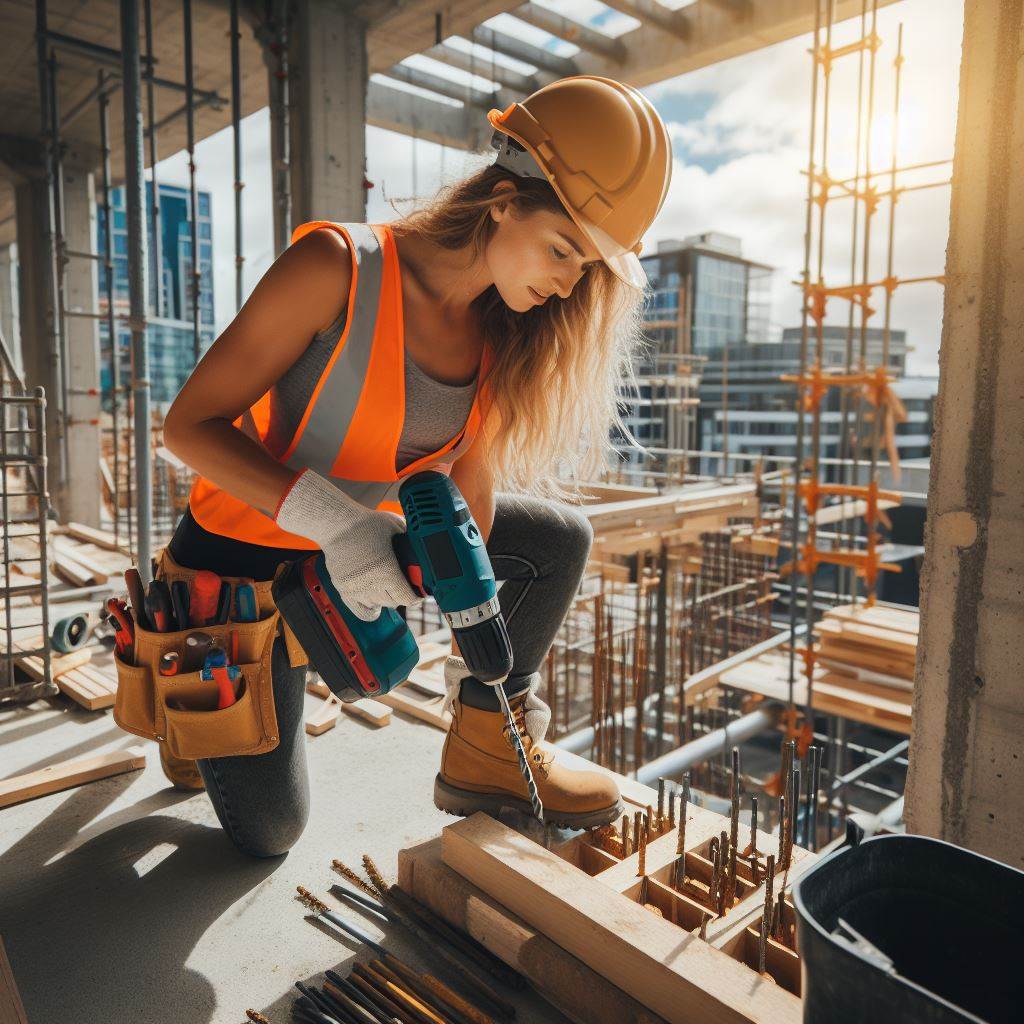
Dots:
pixel 950 921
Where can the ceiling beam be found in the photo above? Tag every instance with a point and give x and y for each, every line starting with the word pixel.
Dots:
pixel 411 27
pixel 484 99
pixel 571 31
pixel 544 60
pixel 410 114
pixel 653 55
pixel 485 68
pixel 676 23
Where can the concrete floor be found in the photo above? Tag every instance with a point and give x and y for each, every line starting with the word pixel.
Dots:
pixel 122 902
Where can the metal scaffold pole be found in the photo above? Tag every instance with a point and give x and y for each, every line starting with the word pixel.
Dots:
pixel 137 291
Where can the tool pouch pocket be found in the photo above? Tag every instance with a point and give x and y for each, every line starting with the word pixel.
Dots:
pixel 181 710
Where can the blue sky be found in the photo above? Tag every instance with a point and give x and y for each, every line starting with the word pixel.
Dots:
pixel 740 135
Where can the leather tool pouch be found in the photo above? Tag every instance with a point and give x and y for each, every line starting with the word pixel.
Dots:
pixel 180 710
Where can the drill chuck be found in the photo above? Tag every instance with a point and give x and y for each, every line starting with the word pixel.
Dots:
pixel 485 648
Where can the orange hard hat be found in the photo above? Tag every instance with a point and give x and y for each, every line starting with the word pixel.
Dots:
pixel 605 151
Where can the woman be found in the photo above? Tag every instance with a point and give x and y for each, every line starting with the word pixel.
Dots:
pixel 486 336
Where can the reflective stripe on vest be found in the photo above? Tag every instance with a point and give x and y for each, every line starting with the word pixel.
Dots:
pixel 350 429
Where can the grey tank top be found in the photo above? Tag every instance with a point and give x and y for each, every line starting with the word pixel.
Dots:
pixel 434 411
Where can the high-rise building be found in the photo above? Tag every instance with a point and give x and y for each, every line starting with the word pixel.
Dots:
pixel 170 330
pixel 702 294
pixel 747 409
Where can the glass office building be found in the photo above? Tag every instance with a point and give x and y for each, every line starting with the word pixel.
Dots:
pixel 169 332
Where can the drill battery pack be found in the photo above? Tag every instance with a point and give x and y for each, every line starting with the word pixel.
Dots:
pixel 354 657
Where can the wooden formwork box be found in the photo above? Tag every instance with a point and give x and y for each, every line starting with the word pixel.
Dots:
pixel 569 919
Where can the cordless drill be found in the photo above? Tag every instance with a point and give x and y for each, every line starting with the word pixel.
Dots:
pixel 442 554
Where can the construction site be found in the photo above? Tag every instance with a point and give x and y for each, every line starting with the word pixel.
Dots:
pixel 794 648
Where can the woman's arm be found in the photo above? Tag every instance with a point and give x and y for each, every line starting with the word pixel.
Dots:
pixel 299 295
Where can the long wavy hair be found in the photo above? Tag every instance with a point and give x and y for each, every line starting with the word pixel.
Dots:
pixel 560 368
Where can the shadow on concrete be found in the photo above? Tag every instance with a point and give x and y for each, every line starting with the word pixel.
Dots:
pixel 105 930
pixel 69 753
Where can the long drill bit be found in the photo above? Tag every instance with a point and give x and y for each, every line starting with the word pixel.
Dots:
pixel 672 809
pixel 481 988
pixel 814 802
pixel 783 829
pixel 524 761
pixel 753 826
pixel 625 836
pixel 734 811
pixel 766 916
pixel 661 804
pixel 429 927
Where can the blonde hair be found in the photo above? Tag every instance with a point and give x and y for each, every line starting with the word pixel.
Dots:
pixel 558 368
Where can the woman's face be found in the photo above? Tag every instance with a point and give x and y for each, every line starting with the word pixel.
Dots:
pixel 535 255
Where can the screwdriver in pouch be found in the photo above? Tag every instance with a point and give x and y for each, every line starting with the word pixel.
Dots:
pixel 158 607
pixel 179 602
pixel 202 608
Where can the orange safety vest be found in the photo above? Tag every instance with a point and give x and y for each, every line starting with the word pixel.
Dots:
pixel 349 431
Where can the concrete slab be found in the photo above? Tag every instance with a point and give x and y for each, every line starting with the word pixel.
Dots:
pixel 123 901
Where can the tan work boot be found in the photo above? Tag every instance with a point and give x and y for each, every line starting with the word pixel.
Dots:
pixel 182 773
pixel 480 769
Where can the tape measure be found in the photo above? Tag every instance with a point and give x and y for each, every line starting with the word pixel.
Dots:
pixel 69 634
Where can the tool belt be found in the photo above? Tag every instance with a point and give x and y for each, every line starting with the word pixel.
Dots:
pixel 174 709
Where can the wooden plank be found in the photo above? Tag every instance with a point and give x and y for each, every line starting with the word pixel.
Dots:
pixel 89 687
pixel 58 777
pixel 671 972
pixel 831 695
pixel 100 574
pixel 409 702
pixel 101 538
pixel 70 570
pixel 905 621
pixel 12 1010
pixel 573 988
pixel 324 718
pixel 371 711
pixel 873 636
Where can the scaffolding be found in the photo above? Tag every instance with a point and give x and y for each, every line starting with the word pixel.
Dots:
pixel 868 400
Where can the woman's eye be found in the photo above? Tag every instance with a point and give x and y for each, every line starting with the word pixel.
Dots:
pixel 558 253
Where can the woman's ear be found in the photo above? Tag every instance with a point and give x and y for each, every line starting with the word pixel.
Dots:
pixel 507 190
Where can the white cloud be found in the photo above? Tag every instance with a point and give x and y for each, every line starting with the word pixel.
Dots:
pixel 744 145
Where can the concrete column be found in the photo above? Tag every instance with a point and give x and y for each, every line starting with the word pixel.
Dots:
pixel 83 346
pixel 80 499
pixel 9 302
pixel 966 779
pixel 327 87
pixel 41 366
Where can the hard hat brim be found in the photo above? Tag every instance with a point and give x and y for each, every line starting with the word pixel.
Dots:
pixel 626 266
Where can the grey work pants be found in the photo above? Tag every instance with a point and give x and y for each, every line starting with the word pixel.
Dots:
pixel 538 549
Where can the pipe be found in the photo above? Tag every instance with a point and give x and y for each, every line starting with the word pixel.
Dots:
pixel 884 758
pixel 698 751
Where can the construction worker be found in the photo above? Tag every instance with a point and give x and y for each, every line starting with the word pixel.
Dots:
pixel 485 335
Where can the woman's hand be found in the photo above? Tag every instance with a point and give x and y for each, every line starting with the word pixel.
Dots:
pixel 356 542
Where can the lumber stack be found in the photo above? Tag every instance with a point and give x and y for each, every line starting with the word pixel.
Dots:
pixel 629 524
pixel 873 644
pixel 864 671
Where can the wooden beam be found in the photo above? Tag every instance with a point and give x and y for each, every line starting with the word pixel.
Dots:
pixel 58 777
pixel 573 988
pixel 676 23
pixel 653 960
pixel 518 49
pixel 516 81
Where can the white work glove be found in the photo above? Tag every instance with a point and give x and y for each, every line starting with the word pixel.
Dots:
pixel 356 542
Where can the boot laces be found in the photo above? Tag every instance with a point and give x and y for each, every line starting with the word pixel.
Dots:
pixel 536 754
